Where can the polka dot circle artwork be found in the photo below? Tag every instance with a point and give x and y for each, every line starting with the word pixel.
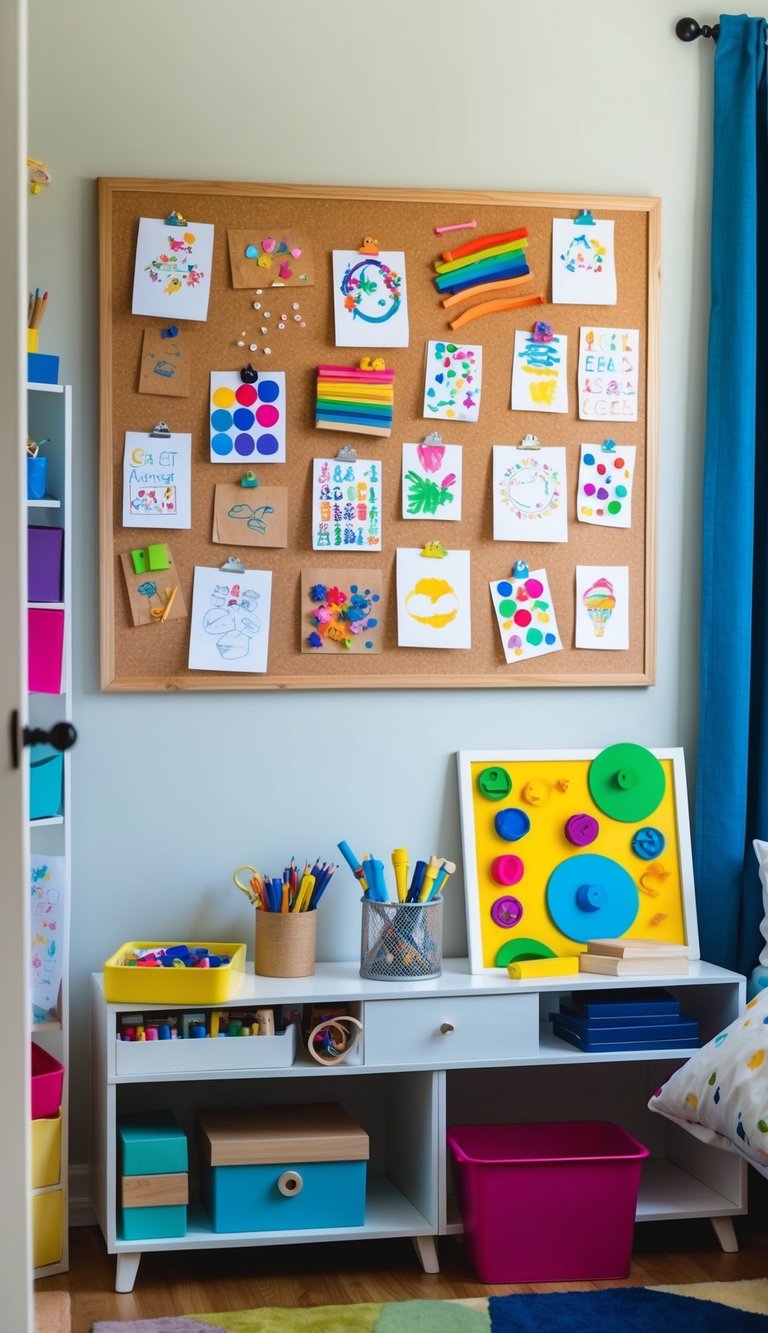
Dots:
pixel 247 421
pixel 525 616
pixel 605 484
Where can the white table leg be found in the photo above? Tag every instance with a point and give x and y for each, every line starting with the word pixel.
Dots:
pixel 127 1268
pixel 427 1251
pixel 723 1228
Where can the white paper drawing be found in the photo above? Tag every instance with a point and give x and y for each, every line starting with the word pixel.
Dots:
pixel 608 374
pixel 48 913
pixel 370 302
pixel 583 262
pixel 346 505
pixel 157 481
pixel 433 600
pixel 172 273
pixel 529 495
pixel 453 381
pixel 539 373
pixel 525 616
pixel 432 480
pixel 229 624
pixel 606 474
pixel 602 606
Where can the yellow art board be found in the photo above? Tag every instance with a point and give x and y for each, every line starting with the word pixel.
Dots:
pixel 623 894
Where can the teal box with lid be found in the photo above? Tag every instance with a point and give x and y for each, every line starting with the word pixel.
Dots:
pixel 46 782
pixel 152 1223
pixel 151 1143
pixel 284 1168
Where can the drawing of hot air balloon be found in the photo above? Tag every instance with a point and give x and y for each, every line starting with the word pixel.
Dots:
pixel 599 601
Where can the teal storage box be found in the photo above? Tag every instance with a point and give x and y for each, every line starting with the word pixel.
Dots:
pixel 46 782
pixel 42 369
pixel 151 1144
pixel 151 1223
pixel 286 1168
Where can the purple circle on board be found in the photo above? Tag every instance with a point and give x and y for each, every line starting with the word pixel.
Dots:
pixel 507 870
pixel 514 641
pixel 581 830
pixel 267 444
pixel 244 445
pixel 603 494
pixel 506 912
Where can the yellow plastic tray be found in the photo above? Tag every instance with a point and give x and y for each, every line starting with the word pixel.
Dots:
pixel 173 985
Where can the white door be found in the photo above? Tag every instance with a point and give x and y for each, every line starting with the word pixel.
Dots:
pixel 15 1240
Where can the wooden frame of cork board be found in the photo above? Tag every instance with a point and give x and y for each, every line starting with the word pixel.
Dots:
pixel 154 657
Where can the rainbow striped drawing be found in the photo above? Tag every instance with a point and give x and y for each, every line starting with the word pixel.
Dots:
pixel 355 400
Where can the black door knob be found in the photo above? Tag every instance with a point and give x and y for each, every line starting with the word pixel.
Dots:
pixel 61 736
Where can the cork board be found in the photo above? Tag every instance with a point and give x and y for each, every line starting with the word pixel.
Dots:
pixel 153 656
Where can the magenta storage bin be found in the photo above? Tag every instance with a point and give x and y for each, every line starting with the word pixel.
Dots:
pixel 47 1083
pixel 548 1203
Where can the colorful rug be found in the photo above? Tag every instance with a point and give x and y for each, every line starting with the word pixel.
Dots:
pixel 616 1310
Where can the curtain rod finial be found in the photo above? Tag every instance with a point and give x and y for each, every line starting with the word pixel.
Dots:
pixel 688 30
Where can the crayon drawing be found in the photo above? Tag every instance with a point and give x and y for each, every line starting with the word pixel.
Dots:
pixel 529 495
pixel 172 273
pixel 157 481
pixel 606 473
pixel 346 505
pixel 433 600
pixel 153 595
pixel 229 628
pixel 247 421
pixel 341 611
pixel 525 616
pixel 369 299
pixel 250 516
pixel 48 908
pixel 583 262
pixel 166 364
pixel 268 256
pixel 608 374
pixel 432 480
pixel 453 381
pixel 602 606
pixel 539 373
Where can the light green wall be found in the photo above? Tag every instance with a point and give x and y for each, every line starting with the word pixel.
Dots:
pixel 170 793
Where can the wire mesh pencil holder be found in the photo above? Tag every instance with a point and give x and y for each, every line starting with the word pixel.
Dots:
pixel 401 941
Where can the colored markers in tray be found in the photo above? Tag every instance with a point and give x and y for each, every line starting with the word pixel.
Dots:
pixel 290 892
pixel 425 885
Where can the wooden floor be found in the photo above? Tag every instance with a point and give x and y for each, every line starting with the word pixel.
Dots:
pixel 195 1282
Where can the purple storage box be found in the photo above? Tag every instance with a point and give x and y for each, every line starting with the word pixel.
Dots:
pixel 45 555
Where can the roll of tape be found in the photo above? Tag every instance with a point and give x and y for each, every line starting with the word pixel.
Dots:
pixel 331 1041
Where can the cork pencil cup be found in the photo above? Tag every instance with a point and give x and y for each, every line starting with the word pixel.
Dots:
pixel 285 944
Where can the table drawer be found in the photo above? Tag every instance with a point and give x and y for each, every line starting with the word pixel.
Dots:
pixel 446 1031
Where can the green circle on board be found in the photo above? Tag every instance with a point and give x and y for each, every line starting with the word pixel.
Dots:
pixel 507 607
pixel 522 951
pixel 614 507
pixel 494 784
pixel 626 782
pixel 534 637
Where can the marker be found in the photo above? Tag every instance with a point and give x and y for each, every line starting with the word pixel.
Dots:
pixel 430 873
pixel 418 876
pixel 354 864
pixel 400 864
pixel 446 869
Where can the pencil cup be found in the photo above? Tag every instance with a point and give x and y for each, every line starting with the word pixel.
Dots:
pixel 401 941
pixel 36 477
pixel 285 944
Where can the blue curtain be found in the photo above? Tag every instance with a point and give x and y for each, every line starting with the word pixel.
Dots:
pixel 731 804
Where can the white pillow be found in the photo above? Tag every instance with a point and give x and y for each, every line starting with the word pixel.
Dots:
pixel 721 1093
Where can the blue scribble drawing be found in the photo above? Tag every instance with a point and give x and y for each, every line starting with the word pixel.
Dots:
pixel 255 519
pixel 232 620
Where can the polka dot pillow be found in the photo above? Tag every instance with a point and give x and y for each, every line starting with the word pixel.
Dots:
pixel 721 1094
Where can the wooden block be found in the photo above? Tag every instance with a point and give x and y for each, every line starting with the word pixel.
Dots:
pixel 281 1134
pixel 154 1191
pixel 543 967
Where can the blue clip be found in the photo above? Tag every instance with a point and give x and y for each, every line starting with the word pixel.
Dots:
pixel 520 570
pixel 171 332
pixel 175 219
pixel 584 218
pixel 608 446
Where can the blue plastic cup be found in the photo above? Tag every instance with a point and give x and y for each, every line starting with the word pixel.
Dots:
pixel 36 478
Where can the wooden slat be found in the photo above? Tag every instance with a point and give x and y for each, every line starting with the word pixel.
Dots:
pixel 153 1191
pixel 281 1134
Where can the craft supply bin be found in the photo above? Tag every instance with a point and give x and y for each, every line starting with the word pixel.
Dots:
pixel 548 1202
pixel 46 1151
pixel 47 1228
pixel 47 1083
pixel 173 985
pixel 46 782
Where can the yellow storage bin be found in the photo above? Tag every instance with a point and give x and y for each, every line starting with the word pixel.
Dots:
pixel 46 1152
pixel 47 1228
pixel 174 985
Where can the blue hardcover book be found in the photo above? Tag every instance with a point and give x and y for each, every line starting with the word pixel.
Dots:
pixel 596 1046
pixel 597 1004
pixel 632 1031
pixel 640 1017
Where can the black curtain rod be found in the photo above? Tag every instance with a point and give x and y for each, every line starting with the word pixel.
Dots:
pixel 688 30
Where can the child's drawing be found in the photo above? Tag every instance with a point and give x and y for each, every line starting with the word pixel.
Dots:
pixel 583 262
pixel 453 381
pixel 525 616
pixel 341 611
pixel 539 373
pixel 250 516
pixel 432 480
pixel 529 495
pixel 346 505
pixel 48 908
pixel 230 620
pixel 608 374
pixel 369 299
pixel 433 600
pixel 172 274
pixel 602 606
pixel 606 473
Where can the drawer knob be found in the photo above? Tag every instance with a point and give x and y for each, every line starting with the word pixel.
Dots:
pixel 290 1183
pixel 446 1028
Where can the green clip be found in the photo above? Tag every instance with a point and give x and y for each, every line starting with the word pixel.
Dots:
pixel 158 557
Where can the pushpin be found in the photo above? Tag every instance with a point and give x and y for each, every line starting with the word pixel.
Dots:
pixel 608 446
pixel 249 480
pixel 434 551
pixel 585 218
pixel 520 570
pixel 171 332
pixel 248 375
pixel 370 246
pixel 543 332
pixel 161 431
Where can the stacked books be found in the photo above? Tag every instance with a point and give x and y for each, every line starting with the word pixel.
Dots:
pixel 630 1020
pixel 628 958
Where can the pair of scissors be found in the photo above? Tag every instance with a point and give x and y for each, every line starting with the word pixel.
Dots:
pixel 254 890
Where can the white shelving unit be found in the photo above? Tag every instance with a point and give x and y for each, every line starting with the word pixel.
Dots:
pixel 50 419
pixel 461 1048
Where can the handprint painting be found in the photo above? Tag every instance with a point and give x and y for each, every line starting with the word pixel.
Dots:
pixel 230 620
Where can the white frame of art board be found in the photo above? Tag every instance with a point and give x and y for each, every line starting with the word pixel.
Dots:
pixel 466 758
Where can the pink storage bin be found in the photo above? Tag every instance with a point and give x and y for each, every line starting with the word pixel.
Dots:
pixel 45 650
pixel 47 1083
pixel 548 1203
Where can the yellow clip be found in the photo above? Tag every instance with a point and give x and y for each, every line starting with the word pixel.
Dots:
pixel 434 550
pixel 370 246
pixel 378 363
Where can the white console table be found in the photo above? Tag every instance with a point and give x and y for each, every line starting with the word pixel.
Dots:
pixel 459 1048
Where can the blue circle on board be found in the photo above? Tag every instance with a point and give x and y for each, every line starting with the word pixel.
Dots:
pixel 608 891
pixel 589 459
pixel 550 638
pixel 243 418
pixel 221 419
pixel 512 824
pixel 648 843
pixel 269 391
pixel 221 444
pixel 267 444
pixel 244 445
pixel 504 589
pixel 369 644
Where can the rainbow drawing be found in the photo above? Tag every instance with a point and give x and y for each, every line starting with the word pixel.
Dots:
pixel 355 400
pixel 484 264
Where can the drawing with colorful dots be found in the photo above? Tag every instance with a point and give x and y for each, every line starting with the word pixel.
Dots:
pixel 529 490
pixel 172 272
pixel 247 421
pixel 341 612
pixel 453 381
pixel 369 299
pixel 606 473
pixel 270 256
pixel 525 616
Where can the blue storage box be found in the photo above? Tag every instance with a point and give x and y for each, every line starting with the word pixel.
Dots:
pixel 42 369
pixel 153 1161
pixel 285 1168
pixel 151 1143
pixel 46 782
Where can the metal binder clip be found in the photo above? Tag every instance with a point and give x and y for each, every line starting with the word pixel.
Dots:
pixel 346 454
pixel 520 570
pixel 434 551
pixel 233 566
pixel 529 441
pixel 161 431
pixel 434 437
pixel 175 219
pixel 584 218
